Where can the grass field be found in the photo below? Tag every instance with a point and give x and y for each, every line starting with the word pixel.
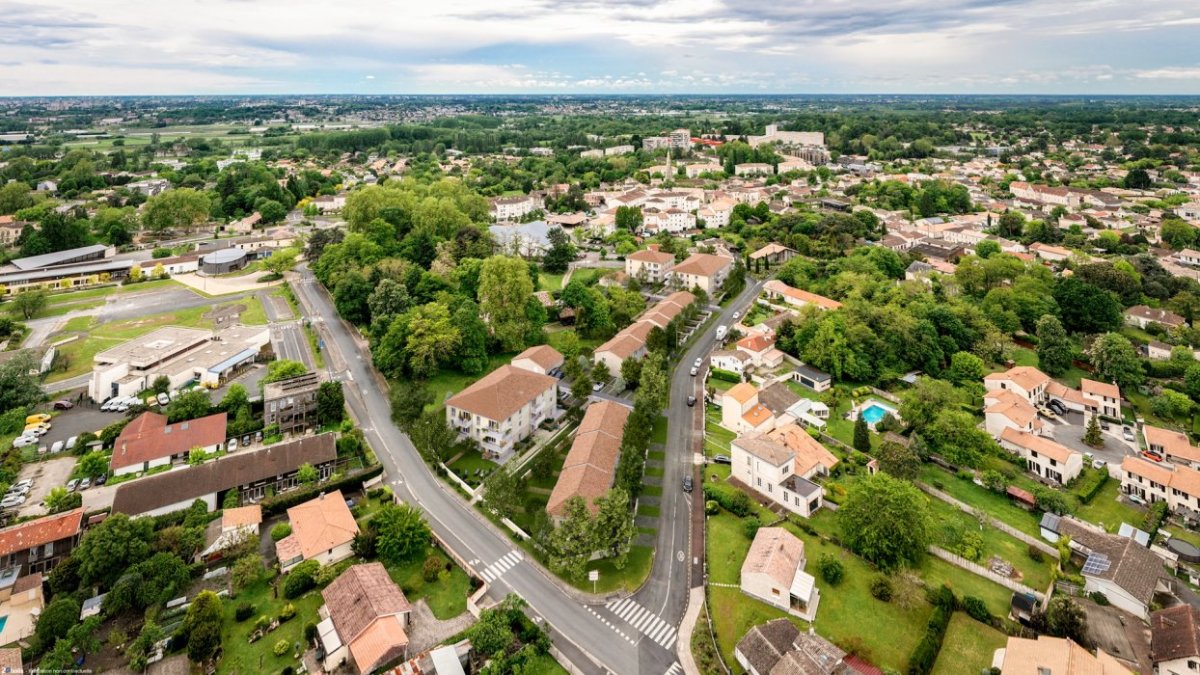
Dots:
pixel 630 577
pixel 447 383
pixel 446 595
pixel 968 647
pixel 241 656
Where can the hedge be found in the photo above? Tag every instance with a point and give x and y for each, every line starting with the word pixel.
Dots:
pixel 726 375
pixel 925 654
pixel 1090 485
pixel 285 501
pixel 731 499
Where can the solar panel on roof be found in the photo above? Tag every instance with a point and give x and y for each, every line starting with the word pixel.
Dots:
pixel 1097 563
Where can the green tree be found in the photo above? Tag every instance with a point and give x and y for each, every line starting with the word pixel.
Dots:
pixel 56 619
pixel 1055 351
pixel 472 355
pixel 1011 225
pixel 561 252
pixel 504 289
pixel 331 403
pixel 59 500
pixel 1065 618
pixel 1092 436
pixel 29 303
pixel 613 526
pixel 433 437
pixel 572 542
pixel 283 369
pixel 987 248
pixel 307 474
pixel 389 299
pixel 502 492
pixel 432 339
pixel 93 464
pixel 282 260
pixel 862 437
pixel 629 218
pixel 202 625
pixel 15 196
pixel 631 372
pixel 1087 308
pixel 886 521
pixel 581 385
pixel 20 387
pixel 1116 360
pixel 178 209
pixel 189 406
pixel 1137 179
pixel 921 404
pixel 403 533
pixel 140 649
pixel 955 435
pixel 899 460
pixel 408 401
pixel 965 368
pixel 110 548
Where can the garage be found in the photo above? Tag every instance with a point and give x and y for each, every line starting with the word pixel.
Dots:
pixel 224 261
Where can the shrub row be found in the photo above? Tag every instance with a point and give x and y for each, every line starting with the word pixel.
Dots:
pixel 731 499
pixel 1090 484
pixel 724 375
pixel 925 654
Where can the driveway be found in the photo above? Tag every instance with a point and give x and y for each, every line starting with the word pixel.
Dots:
pixel 224 285
pixel 45 475
pixel 83 418
pixel 1071 434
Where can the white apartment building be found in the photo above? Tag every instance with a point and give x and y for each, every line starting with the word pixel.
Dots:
pixel 1047 459
pixel 769 468
pixel 754 169
pixel 515 208
pixel 503 409
pixel 717 213
pixel 650 265
pixel 1178 486
pixel 671 220
pixel 703 270
pixel 697 170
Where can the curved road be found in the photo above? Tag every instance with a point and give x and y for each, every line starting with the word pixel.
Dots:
pixel 634 635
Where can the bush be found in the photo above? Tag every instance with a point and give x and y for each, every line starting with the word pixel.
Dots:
pixel 301 579
pixel 281 647
pixel 1035 554
pixel 243 611
pixel 432 568
pixel 924 655
pixel 711 507
pixel 286 614
pixel 1099 598
pixel 161 252
pixel 1090 484
pixel 280 531
pixel 831 569
pixel 1154 517
pixel 731 499
pixel 977 609
pixel 310 632
pixel 881 588
pixel 750 527
pixel 724 375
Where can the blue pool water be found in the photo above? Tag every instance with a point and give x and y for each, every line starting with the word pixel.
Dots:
pixel 873 413
pixel 3 620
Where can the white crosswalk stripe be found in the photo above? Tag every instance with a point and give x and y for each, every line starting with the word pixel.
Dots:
pixel 645 622
pixel 675 668
pixel 504 564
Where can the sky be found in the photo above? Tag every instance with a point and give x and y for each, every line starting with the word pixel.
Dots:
pixel 84 47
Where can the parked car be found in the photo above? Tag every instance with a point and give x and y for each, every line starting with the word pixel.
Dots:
pixel 173 395
pixel 163 399
pixel 231 445
pixel 57 447
pixel 37 419
pixel 722 459
pixel 25 441
pixel 25 484
pixel 258 437
pixel 102 479
pixel 63 405
pixel 85 483
pixel 1152 456
pixel 245 440
pixel 11 502
pixel 691 401
pixel 598 386
pixel 1127 434
pixel 1099 464
pixel 695 370
pixel 1057 407
pixel 122 406
pixel 18 490
pixel 72 484
pixel 687 483
pixel 36 432
pixel 71 442
pixel 1137 500
pixel 737 315
pixel 699 362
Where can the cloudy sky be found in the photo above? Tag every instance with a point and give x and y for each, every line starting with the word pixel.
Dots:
pixel 64 47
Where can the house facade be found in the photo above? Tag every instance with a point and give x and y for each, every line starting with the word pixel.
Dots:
pixel 503 409
pixel 773 572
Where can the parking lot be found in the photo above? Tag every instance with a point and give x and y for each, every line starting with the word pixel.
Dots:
pixel 45 475
pixel 1115 447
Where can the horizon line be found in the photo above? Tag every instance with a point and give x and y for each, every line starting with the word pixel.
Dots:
pixel 610 94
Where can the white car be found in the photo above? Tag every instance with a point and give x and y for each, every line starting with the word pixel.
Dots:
pixel 11 502
pixel 231 445
pixel 598 386
pixel 699 362
pixel 737 315
pixel 24 484
pixel 37 432
pixel 694 371
pixel 163 399
pixel 71 442
pixel 25 441
pixel 57 447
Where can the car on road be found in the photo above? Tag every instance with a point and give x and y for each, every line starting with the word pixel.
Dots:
pixel 85 483
pixel 1103 425
pixel 737 315
pixel 63 405
pixel 722 459
pixel 691 401
pixel 163 399
pixel 1127 434
pixel 687 483
pixel 57 447
pixel 695 370
pixel 699 362
pixel 72 484
pixel 11 502
pixel 24 441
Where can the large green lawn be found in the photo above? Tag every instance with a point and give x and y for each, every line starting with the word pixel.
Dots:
pixel 716 437
pixel 449 382
pixel 997 505
pixel 968 647
pixel 446 595
pixel 628 578
pixel 733 613
pixel 240 656
pixel 1106 511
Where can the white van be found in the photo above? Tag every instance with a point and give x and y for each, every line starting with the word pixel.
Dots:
pixel 721 330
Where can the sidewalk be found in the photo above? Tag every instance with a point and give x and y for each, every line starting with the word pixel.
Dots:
pixel 683 646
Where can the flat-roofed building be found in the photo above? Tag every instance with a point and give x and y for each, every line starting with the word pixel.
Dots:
pixel 292 403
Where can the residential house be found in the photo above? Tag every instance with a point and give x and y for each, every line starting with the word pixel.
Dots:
pixel 329 203
pixel 1053 656
pixel 754 169
pixel 1175 640
pixel 21 604
pixel 630 341
pixel 515 208
pixel 741 411
pixel 1026 381
pixel 37 546
pixel 1049 253
pixel 234 527
pixel 778 647
pixel 1043 457
pixel 10 230
pixel 1125 571
pixel 716 213
pixel 776 471
pixel 773 254
pixel 253 475
pixel 672 220
pixel 1143 316
pixel 703 270
pixel 650 265
pixel 591 463
pixel 503 409
pixel 291 404
pixel 734 361
pixel 1171 446
pixel 773 572
pixel 761 350
pixel 777 290
pixel 540 359
pixel 323 529
pixel 1102 398
pixel 1176 484
pixel 363 620
pixel 813 378
pixel 697 170
pixel 1006 409
pixel 149 441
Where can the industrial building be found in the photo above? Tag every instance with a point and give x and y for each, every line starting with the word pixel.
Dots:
pixel 224 261
pixel 72 268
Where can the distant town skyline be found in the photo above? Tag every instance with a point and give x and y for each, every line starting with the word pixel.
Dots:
pixel 70 47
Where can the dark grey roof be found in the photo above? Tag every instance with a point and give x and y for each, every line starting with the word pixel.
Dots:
pixel 63 271
pixel 764 645
pixel 802 486
pixel 778 398
pixel 813 373
pixel 34 262
pixel 153 492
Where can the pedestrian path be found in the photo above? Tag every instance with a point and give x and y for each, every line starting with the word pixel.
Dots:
pixel 675 669
pixel 498 568
pixel 644 621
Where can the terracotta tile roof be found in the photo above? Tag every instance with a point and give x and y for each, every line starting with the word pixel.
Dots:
pixel 1178 477
pixel 360 596
pixel 545 356
pixel 622 345
pixel 382 642
pixel 756 343
pixel 1011 405
pixel 757 415
pixel 1100 388
pixel 777 286
pixel 776 553
pixel 1156 315
pixel 703 264
pixel 288 548
pixel 1025 377
pixel 633 337
pixel 322 524
pixel 1174 633
pixel 1041 445
pixel 1057 655
pixel 769 249
pixel 241 516
pixel 149 437
pixel 742 392
pixel 808 450
pixel 591 463
pixel 648 256
pixel 502 392
pixel 42 531
pixel 1173 442
pixel 1059 390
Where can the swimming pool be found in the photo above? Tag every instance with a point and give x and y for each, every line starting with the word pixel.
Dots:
pixel 3 621
pixel 873 413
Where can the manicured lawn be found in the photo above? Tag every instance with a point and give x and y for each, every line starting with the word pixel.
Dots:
pixel 950 524
pixel 255 314
pixel 449 382
pixel 636 569
pixel 733 613
pixel 543 665
pixel 446 595
pixel 727 547
pixel 937 572
pixel 549 282
pixel 648 511
pixel 997 505
pixel 656 471
pixel 472 467
pixel 240 656
pixel 652 490
pixel 659 433
pixel 968 646
pixel 716 437
pixel 1106 511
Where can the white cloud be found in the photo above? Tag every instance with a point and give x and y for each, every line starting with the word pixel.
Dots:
pixel 1173 73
